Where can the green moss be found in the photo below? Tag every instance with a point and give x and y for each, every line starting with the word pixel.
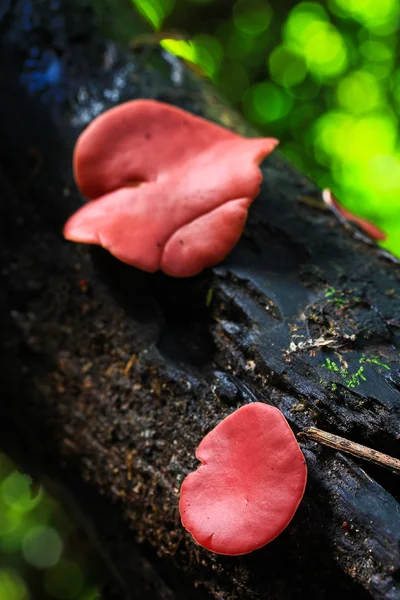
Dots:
pixel 334 296
pixel 351 380
pixel 374 360
pixel 331 365
pixel 354 379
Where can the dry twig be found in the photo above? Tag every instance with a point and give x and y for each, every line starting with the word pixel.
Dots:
pixel 344 445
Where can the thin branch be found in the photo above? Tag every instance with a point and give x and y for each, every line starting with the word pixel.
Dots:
pixel 344 445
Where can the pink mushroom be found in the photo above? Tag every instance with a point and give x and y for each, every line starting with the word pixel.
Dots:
pixel 249 484
pixel 369 228
pixel 169 190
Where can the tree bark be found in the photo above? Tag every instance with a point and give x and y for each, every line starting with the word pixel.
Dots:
pixel 111 376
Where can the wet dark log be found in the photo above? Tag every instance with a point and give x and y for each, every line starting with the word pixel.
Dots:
pixel 111 376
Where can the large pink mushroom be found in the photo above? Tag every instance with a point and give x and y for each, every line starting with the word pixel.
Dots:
pixel 249 485
pixel 168 190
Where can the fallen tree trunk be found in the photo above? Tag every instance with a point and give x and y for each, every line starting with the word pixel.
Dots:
pixel 113 376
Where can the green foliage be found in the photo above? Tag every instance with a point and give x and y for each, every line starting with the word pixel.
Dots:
pixel 154 11
pixel 325 80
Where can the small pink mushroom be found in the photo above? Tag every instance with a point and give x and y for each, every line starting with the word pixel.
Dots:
pixel 249 485
pixel 169 190
pixel 369 228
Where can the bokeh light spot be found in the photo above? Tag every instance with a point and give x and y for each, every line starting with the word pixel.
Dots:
pixel 383 173
pixel 371 13
pixel 325 52
pixel 10 521
pixel 342 135
pixel 372 135
pixel 252 16
pixel 265 102
pixel 330 131
pixel 376 51
pixel 310 33
pixel 42 547
pixel 17 494
pixel 286 66
pixel 359 92
pixel 303 21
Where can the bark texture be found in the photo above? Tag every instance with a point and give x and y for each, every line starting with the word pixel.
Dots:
pixel 111 376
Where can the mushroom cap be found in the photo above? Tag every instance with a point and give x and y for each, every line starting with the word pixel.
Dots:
pixel 169 190
pixel 249 485
pixel 372 230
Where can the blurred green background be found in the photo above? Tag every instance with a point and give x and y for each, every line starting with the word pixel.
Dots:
pixel 322 77
pixel 42 553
